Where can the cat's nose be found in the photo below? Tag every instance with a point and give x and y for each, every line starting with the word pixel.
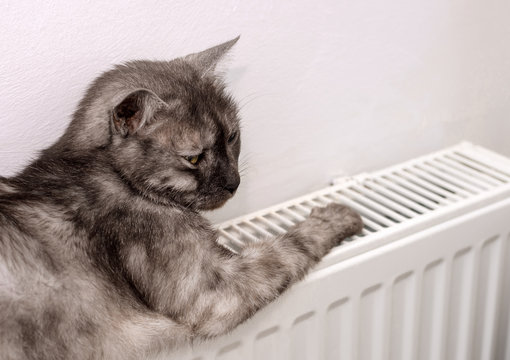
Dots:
pixel 232 186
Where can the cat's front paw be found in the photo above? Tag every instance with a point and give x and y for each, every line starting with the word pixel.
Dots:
pixel 340 219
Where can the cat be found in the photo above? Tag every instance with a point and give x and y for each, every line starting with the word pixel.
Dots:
pixel 104 253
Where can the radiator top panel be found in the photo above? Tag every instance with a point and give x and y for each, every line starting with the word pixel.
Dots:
pixel 390 199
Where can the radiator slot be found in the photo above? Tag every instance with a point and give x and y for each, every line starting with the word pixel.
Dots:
pixel 429 184
pixel 484 166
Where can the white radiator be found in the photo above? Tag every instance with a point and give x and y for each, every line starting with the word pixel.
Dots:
pixel 429 278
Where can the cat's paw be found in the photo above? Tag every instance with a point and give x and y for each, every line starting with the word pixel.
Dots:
pixel 340 219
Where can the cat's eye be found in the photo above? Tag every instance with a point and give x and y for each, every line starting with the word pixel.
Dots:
pixel 232 137
pixel 193 159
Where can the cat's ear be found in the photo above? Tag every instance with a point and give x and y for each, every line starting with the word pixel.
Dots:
pixel 207 60
pixel 134 111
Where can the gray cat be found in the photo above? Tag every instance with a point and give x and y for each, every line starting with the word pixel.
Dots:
pixel 103 251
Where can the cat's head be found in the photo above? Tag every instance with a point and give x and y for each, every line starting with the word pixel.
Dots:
pixel 172 131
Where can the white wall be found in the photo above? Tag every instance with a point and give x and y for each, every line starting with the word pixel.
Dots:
pixel 326 87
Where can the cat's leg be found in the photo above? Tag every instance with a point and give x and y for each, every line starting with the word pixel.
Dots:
pixel 145 335
pixel 233 287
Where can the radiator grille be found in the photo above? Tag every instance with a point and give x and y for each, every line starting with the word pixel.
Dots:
pixel 388 198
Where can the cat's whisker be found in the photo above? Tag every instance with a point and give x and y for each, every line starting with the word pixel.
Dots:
pixel 247 100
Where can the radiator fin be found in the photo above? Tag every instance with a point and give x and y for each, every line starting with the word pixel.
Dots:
pixel 401 323
pixel 339 337
pixel 304 342
pixel 460 306
pixel 371 323
pixel 230 352
pixel 266 346
pixel 432 311
pixel 486 300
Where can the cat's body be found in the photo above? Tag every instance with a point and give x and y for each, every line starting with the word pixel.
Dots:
pixel 103 251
